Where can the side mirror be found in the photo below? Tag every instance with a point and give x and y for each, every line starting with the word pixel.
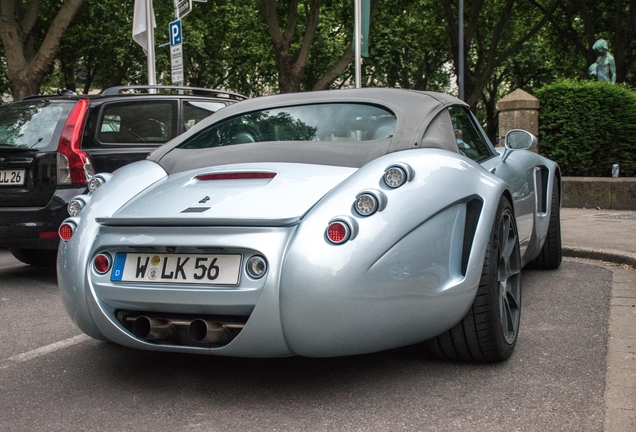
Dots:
pixel 517 139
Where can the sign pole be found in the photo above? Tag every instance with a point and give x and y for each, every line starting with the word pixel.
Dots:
pixel 460 54
pixel 358 46
pixel 150 35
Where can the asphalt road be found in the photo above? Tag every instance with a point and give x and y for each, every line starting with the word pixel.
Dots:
pixel 54 379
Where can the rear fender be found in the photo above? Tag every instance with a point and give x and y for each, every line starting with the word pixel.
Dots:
pixel 404 264
pixel 75 254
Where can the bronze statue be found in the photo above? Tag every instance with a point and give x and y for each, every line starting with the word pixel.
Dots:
pixel 604 69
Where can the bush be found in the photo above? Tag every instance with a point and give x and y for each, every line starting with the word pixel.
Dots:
pixel 587 126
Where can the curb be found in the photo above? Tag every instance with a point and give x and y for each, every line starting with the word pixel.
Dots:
pixel 618 257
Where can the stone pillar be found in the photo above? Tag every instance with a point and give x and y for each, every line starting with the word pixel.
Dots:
pixel 518 110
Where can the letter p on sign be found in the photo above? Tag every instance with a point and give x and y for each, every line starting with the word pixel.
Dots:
pixel 175 33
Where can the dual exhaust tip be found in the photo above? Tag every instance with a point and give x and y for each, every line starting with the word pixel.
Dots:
pixel 200 331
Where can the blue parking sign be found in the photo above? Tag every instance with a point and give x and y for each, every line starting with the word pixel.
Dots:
pixel 176 37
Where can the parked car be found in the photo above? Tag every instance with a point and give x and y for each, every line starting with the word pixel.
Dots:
pixel 51 145
pixel 317 224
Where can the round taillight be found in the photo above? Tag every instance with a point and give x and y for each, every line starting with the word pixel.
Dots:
pixel 366 204
pixel 338 232
pixel 94 183
pixel 256 267
pixel 75 207
pixel 395 177
pixel 66 231
pixel 101 263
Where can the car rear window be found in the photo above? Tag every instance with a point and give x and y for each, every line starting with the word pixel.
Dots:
pixel 195 111
pixel 149 122
pixel 318 122
pixel 30 124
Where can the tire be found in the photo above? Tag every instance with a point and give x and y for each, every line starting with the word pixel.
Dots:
pixel 36 257
pixel 488 332
pixel 550 256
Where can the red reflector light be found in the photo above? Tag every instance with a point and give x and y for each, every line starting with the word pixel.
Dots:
pixel 102 263
pixel 66 231
pixel 49 235
pixel 237 176
pixel 338 232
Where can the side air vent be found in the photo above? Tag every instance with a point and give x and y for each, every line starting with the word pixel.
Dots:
pixel 473 211
pixel 541 186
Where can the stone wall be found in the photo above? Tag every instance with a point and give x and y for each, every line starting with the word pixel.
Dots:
pixel 600 192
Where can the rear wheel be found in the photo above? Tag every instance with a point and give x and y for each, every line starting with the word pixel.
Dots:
pixel 551 253
pixel 36 257
pixel 489 330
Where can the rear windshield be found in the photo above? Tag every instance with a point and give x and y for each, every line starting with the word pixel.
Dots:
pixel 319 122
pixel 30 124
pixel 152 122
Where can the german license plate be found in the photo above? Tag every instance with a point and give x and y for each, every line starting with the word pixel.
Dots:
pixel 12 177
pixel 177 268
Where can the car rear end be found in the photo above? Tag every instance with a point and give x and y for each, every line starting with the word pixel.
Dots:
pixel 41 169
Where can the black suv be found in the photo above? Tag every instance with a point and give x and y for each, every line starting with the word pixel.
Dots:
pixel 50 146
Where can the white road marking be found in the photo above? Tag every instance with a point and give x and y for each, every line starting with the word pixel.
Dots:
pixel 47 349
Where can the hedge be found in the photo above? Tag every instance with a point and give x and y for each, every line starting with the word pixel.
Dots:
pixel 587 126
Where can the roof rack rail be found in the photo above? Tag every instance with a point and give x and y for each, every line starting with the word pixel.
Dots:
pixel 112 91
pixel 63 92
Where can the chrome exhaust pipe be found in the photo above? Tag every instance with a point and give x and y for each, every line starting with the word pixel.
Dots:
pixel 204 331
pixel 153 329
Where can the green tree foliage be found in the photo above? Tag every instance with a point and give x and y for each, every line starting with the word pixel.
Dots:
pixel 310 34
pixel 4 79
pixel 494 31
pixel 30 40
pixel 409 46
pixel 588 126
pixel 332 45
pixel 577 24
pixel 226 45
pixel 97 50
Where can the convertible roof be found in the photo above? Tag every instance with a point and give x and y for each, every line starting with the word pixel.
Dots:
pixel 414 110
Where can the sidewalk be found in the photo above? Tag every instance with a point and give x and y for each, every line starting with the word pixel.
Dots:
pixel 607 235
pixel 610 236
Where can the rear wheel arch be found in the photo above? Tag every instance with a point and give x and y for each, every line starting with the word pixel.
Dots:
pixel 550 255
pixel 488 332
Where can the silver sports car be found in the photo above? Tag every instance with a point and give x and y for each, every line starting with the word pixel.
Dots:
pixel 316 224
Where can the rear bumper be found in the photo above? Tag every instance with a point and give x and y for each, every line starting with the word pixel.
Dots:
pixel 35 227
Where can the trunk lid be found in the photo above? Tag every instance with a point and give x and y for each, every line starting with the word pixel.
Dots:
pixel 257 194
pixel 29 135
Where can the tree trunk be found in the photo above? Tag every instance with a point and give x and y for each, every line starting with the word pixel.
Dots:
pixel 490 50
pixel 291 65
pixel 26 65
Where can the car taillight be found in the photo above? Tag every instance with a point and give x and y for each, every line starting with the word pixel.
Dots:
pixel 338 232
pixel 101 263
pixel 73 164
pixel 256 266
pixel 395 176
pixel 66 231
pixel 241 175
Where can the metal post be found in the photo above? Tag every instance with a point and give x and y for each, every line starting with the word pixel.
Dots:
pixel 150 35
pixel 460 78
pixel 358 46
